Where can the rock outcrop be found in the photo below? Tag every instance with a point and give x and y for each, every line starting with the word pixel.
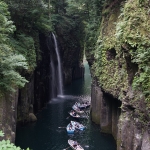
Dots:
pixel 32 117
pixel 8 114
pixel 120 97
pixel 30 40
pixel 120 120
pixel 71 52
pixel 20 107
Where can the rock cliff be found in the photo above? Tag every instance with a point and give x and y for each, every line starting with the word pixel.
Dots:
pixel 120 90
pixel 8 114
pixel 20 107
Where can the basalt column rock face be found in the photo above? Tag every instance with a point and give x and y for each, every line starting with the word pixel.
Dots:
pixel 121 71
pixel 36 93
pixel 96 99
pixel 25 101
pixel 78 72
pixel 73 67
pixel 42 73
pixel 71 53
pixel 21 106
pixel 105 110
pixel 8 115
pixel 132 133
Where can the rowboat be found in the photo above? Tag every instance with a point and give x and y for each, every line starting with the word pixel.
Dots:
pixel 77 109
pixel 78 125
pixel 82 105
pixel 74 114
pixel 70 128
pixel 75 145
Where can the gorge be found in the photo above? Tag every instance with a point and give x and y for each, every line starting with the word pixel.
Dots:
pixel 113 34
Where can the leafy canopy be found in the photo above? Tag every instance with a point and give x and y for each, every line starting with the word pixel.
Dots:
pixel 10 61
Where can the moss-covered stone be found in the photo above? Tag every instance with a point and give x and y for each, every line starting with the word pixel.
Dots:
pixel 121 65
pixel 121 62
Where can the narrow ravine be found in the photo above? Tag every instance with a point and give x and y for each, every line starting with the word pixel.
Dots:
pixel 46 133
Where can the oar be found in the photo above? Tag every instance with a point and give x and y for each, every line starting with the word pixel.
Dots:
pixel 61 127
pixel 66 148
pixel 67 117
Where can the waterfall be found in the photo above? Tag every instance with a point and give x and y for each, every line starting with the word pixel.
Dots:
pixel 53 81
pixel 59 69
pixel 56 82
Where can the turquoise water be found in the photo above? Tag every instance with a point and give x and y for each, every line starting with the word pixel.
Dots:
pixel 45 134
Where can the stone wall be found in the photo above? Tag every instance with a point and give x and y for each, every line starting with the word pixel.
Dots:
pixel 120 103
pixel 36 93
pixel 120 120
pixel 26 101
pixel 132 134
pixel 105 110
pixel 8 115
pixel 73 73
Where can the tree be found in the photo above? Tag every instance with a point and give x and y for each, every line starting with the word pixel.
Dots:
pixel 10 60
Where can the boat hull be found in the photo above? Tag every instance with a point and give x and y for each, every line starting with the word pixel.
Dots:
pixel 77 116
pixel 75 108
pixel 77 125
pixel 71 143
pixel 82 106
pixel 70 130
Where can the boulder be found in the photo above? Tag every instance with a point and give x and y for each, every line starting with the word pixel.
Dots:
pixel 32 117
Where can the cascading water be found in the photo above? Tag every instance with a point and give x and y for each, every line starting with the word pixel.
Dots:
pixel 53 82
pixel 56 85
pixel 52 86
pixel 59 69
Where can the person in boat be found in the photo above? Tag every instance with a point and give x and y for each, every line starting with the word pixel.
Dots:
pixel 73 113
pixel 70 127
pixel 77 104
pixel 75 144
pixel 78 109
pixel 77 125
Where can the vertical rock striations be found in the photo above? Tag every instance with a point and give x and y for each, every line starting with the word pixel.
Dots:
pixel 21 106
pixel 71 50
pixel 121 74
pixel 105 110
pixel 8 114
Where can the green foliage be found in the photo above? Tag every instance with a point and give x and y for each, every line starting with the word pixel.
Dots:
pixel 24 44
pixel 6 25
pixel 30 15
pixel 130 39
pixel 10 61
pixel 69 27
pixel 132 31
pixel 9 75
pixel 133 28
pixel 1 134
pixel 90 13
pixel 7 145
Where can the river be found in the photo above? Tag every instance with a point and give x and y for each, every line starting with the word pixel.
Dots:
pixel 49 132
